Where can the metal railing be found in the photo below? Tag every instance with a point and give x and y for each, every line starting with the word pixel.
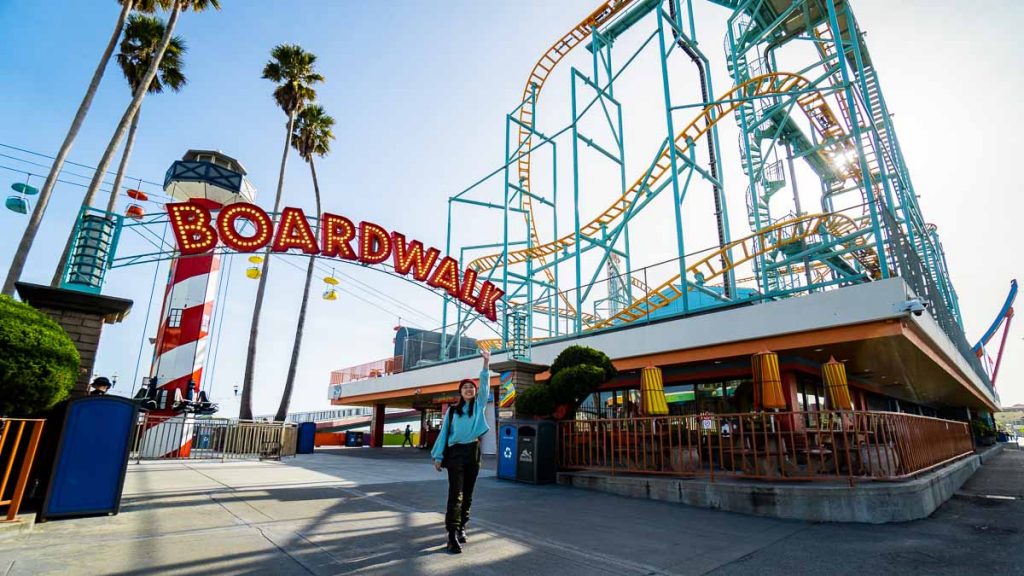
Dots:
pixel 190 438
pixel 375 369
pixel 841 445
pixel 19 439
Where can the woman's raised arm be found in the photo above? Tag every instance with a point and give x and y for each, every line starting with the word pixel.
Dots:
pixel 484 388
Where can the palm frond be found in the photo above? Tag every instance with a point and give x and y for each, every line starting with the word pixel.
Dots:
pixel 139 45
pixel 313 132
pixel 293 69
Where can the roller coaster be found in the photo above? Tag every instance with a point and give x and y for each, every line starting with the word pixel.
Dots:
pixel 805 100
pixel 825 108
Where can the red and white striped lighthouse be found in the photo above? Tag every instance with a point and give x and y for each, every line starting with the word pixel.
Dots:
pixel 183 336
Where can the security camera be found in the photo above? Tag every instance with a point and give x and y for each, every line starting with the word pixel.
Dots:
pixel 917 306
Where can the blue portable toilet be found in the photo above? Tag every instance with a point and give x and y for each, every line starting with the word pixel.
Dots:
pixel 307 437
pixel 91 457
pixel 508 436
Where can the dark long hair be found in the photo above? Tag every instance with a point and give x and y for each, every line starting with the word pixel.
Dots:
pixel 462 400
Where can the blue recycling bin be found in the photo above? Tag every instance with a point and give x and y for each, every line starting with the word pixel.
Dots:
pixel 307 436
pixel 508 437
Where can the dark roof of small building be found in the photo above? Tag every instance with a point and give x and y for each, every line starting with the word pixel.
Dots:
pixel 235 164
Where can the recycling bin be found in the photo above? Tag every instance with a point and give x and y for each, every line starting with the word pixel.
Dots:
pixel 535 452
pixel 508 435
pixel 307 436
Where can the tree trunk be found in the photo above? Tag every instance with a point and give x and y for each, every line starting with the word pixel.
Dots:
pixel 122 127
pixel 289 383
pixel 27 237
pixel 245 410
pixel 128 144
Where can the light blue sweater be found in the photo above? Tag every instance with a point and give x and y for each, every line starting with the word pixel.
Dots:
pixel 469 426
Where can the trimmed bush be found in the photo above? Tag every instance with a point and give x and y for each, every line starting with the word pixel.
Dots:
pixel 578 355
pixel 575 374
pixel 535 401
pixel 38 362
pixel 574 383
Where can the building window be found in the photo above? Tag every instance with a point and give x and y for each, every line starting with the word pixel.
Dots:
pixel 680 399
pixel 174 318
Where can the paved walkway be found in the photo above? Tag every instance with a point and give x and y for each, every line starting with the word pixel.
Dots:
pixel 1001 477
pixel 359 511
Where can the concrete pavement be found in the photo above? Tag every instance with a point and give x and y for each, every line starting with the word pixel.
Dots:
pixel 359 511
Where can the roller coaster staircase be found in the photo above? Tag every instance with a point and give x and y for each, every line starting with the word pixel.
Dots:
pixel 765 119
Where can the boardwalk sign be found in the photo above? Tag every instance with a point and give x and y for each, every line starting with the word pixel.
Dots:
pixel 198 232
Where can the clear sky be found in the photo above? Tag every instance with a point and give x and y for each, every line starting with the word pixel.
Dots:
pixel 420 91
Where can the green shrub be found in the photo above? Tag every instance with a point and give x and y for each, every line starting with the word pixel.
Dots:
pixel 38 362
pixel 575 374
pixel 535 401
pixel 981 429
pixel 578 355
pixel 573 384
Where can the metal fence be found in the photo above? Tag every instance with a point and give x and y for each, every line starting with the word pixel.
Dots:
pixel 825 445
pixel 191 438
pixel 19 439
pixel 374 369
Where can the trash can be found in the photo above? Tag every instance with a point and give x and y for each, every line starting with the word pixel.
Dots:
pixel 535 453
pixel 89 449
pixel 307 436
pixel 353 438
pixel 508 434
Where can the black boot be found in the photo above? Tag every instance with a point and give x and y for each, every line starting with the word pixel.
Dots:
pixel 453 543
pixel 460 535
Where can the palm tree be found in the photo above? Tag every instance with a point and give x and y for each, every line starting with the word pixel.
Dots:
pixel 177 6
pixel 29 236
pixel 293 69
pixel 142 35
pixel 311 136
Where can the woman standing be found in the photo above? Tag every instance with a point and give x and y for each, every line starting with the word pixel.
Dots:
pixel 458 449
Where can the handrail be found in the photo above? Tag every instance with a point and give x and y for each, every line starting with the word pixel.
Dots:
pixel 160 437
pixel 375 369
pixel 777 446
pixel 17 456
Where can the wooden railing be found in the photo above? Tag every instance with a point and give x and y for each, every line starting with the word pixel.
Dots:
pixel 19 439
pixel 190 438
pixel 847 445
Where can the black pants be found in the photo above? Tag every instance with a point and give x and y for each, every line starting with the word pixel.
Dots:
pixel 463 467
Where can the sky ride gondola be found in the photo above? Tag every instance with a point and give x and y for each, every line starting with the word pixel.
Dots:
pixel 330 293
pixel 134 211
pixel 18 202
pixel 254 271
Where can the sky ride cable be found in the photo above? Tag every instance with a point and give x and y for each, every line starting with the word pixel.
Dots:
pixel 86 166
pixel 218 328
pixel 145 323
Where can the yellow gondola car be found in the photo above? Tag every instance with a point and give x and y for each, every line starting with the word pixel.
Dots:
pixel 330 293
pixel 254 271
